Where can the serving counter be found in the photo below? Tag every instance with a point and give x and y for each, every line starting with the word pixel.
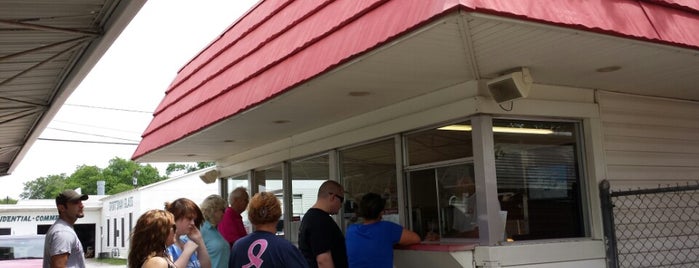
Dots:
pixel 429 254
pixel 570 253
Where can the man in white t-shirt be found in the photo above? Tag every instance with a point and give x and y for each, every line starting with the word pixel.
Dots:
pixel 62 248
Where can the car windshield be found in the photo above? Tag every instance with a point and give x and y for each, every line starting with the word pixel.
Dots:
pixel 29 247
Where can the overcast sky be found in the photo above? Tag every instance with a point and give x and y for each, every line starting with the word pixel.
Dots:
pixel 129 79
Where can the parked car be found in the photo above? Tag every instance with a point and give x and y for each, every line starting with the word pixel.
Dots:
pixel 21 251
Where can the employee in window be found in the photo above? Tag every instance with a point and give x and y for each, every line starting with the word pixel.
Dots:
pixel 370 244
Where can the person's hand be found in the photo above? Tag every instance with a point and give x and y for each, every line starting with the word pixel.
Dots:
pixel 195 235
pixel 431 236
pixel 190 245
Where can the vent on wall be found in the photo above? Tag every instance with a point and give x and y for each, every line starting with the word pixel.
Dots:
pixel 511 86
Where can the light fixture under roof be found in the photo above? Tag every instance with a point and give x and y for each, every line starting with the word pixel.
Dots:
pixel 535 131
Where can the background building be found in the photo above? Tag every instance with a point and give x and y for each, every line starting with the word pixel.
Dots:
pixel 108 219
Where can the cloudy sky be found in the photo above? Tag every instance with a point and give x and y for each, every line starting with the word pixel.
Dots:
pixel 114 103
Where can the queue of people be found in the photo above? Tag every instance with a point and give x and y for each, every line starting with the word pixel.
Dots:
pixel 212 234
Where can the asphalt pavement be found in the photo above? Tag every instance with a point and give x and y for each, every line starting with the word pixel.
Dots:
pixel 92 262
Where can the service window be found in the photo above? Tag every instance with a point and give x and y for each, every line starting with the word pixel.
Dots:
pixel 370 168
pixel 440 182
pixel 269 180
pixel 306 177
pixel 538 170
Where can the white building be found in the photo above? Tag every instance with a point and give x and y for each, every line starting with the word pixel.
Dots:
pixel 121 211
pixel 108 219
pixel 36 216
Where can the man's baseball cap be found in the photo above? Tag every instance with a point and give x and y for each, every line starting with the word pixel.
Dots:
pixel 69 196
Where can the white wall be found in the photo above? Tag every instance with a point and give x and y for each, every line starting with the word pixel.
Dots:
pixel 24 217
pixel 649 141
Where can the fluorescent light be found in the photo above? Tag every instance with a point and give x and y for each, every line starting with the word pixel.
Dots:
pixel 501 129
pixel 456 127
pixel 523 130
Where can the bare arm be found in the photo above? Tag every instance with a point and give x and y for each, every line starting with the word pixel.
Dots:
pixel 203 255
pixel 202 252
pixel 325 260
pixel 187 252
pixel 155 262
pixel 408 237
pixel 59 261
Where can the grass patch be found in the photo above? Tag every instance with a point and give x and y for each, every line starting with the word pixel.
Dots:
pixel 112 261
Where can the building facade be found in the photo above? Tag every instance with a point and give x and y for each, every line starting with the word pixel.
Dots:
pixel 487 125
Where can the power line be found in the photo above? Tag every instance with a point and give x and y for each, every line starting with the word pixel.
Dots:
pixel 108 108
pixel 91 134
pixel 94 126
pixel 84 141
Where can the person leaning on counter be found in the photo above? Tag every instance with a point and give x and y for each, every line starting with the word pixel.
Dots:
pixel 370 244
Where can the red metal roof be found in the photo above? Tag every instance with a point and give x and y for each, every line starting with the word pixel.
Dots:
pixel 281 43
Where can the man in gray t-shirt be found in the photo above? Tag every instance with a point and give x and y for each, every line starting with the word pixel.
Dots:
pixel 62 248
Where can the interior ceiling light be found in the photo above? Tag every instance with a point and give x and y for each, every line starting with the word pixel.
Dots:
pixel 536 131
pixel 608 69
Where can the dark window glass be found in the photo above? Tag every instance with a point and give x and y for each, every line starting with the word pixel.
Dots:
pixel 306 177
pixel 537 167
pixel 370 168
pixel 439 144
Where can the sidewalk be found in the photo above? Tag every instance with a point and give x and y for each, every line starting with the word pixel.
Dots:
pixel 92 262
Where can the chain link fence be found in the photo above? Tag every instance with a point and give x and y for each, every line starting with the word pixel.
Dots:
pixel 651 227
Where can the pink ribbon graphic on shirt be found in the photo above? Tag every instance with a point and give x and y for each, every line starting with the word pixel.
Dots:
pixel 255 260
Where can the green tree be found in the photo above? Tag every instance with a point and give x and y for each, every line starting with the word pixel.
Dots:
pixel 119 188
pixel 85 178
pixel 119 176
pixel 8 201
pixel 44 187
pixel 173 167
